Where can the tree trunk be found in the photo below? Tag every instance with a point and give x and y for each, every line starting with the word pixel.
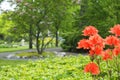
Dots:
pixel 57 36
pixel 30 38
pixel 37 43
pixel 37 46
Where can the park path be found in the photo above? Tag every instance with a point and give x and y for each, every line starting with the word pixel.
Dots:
pixel 3 55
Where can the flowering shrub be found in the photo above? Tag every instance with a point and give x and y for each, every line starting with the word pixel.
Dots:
pixel 97 52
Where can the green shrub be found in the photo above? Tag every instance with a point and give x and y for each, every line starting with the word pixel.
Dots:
pixel 1 41
pixel 72 39
pixel 5 46
pixel 70 43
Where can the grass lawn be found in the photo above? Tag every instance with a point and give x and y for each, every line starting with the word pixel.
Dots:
pixel 13 49
pixel 30 54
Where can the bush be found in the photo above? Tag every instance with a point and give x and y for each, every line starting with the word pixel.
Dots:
pixel 70 42
pixel 1 41
pixel 111 56
pixel 5 46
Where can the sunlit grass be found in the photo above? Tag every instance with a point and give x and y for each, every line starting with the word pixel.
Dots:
pixel 13 49
pixel 30 54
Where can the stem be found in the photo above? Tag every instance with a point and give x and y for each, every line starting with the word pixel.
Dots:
pixel 93 77
pixel 117 66
pixel 92 58
pixel 98 62
pixel 109 71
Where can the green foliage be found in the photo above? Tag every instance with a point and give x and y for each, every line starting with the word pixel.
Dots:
pixel 70 39
pixel 5 26
pixel 98 14
pixel 63 68
pixel 46 40
pixel 95 13
pixel 11 63
pixel 1 1
pixel 5 46
pixel 69 31
pixel 55 68
pixel 1 41
pixel 9 31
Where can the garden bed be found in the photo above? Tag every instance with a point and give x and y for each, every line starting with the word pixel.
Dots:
pixel 53 68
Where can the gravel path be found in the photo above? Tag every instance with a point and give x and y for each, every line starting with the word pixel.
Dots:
pixel 4 54
pixel 57 51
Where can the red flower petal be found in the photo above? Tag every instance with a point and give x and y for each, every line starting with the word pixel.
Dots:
pixel 84 43
pixel 115 30
pixel 116 51
pixel 112 40
pixel 106 54
pixel 96 40
pixel 92 68
pixel 90 30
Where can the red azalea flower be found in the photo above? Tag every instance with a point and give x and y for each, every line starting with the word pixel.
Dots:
pixel 84 43
pixel 112 40
pixel 91 52
pixel 90 30
pixel 96 40
pixel 92 68
pixel 96 50
pixel 116 30
pixel 116 51
pixel 118 46
pixel 106 54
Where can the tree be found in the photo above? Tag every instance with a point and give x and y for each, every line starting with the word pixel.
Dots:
pixel 5 26
pixel 99 13
pixel 23 26
pixel 1 1
pixel 70 30
pixel 35 17
pixel 58 14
